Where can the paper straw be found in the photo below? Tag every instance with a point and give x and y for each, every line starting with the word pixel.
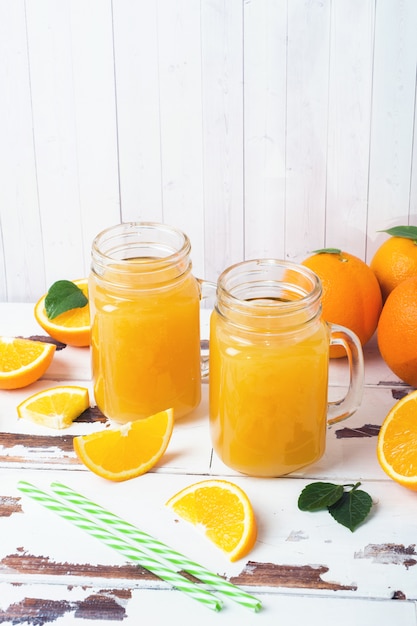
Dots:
pixel 134 554
pixel 154 546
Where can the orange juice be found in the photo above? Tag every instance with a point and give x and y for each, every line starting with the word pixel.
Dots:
pixel 145 313
pixel 146 351
pixel 269 358
pixel 268 399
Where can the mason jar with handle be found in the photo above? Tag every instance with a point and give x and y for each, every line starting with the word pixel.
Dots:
pixel 145 321
pixel 269 364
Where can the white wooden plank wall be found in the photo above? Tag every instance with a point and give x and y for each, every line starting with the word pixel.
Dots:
pixel 260 127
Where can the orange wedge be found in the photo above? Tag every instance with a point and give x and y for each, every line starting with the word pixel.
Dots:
pixel 397 442
pixel 23 361
pixel 71 327
pixel 223 511
pixel 57 407
pixel 129 450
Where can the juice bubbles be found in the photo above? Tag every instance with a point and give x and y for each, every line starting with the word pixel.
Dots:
pixel 269 356
pixel 145 323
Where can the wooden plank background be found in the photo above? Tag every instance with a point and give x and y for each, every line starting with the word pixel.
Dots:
pixel 260 127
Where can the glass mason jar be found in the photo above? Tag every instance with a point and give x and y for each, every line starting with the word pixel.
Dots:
pixel 269 362
pixel 145 312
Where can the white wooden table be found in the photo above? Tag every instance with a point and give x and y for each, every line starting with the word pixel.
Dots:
pixel 305 567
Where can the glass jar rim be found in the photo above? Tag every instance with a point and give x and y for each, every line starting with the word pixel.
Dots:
pixel 144 249
pixel 256 287
pixel 104 243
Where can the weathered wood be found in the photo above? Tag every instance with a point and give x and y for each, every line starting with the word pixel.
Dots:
pixel 50 569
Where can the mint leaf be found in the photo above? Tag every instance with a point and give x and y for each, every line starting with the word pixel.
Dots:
pixel 407 232
pixel 63 296
pixel 352 508
pixel 349 508
pixel 319 495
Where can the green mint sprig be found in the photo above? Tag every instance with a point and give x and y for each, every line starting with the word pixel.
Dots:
pixel 349 508
pixel 62 296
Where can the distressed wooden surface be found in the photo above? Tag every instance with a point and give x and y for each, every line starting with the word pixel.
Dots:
pixel 303 566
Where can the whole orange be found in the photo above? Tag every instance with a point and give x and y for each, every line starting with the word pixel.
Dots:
pixel 351 293
pixel 396 258
pixel 397 331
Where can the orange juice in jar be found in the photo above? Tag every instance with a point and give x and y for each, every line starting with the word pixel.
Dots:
pixel 145 306
pixel 269 355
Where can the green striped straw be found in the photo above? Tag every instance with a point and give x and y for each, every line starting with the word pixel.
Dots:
pixel 154 546
pixel 134 554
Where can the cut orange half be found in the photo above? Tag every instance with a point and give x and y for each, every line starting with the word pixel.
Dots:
pixel 57 407
pixel 223 511
pixel 71 327
pixel 129 450
pixel 23 361
pixel 397 442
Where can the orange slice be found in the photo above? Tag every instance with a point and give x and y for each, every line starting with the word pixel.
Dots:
pixel 57 407
pixel 222 510
pixel 71 327
pixel 397 442
pixel 23 361
pixel 129 450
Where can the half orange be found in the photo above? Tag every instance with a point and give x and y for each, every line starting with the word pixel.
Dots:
pixel 23 361
pixel 71 327
pixel 129 450
pixel 222 510
pixel 397 442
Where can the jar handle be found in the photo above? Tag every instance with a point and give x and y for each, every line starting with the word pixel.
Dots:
pixel 341 409
pixel 207 293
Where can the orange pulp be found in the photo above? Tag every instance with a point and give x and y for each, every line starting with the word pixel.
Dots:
pixel 268 397
pixel 145 343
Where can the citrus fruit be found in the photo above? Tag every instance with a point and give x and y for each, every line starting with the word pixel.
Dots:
pixel 351 293
pixel 57 407
pixel 222 510
pixel 23 361
pixel 71 327
pixel 397 442
pixel 397 331
pixel 129 450
pixel 396 259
